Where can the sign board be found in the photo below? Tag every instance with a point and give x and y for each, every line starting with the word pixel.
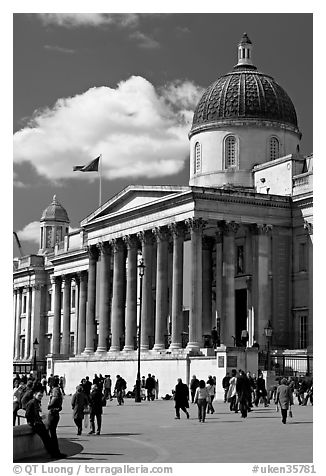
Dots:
pixel 220 361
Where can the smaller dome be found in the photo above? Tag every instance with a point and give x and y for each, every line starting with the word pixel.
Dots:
pixel 55 212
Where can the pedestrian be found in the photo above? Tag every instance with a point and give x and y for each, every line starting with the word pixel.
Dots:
pixel 150 387
pixel 214 336
pixel 120 387
pixel 225 385
pixel 261 392
pixel 96 410
pixel 243 390
pixel 79 402
pixel 54 407
pixel 181 399
pixel 17 396
pixel 194 383
pixel 96 380
pixel 201 399
pixel 50 383
pixel 107 387
pixel 232 392
pixel 87 386
pixel 43 383
pixel 62 385
pixel 156 387
pixel 28 394
pixel 284 397
pixel 255 345
pixel 252 389
pixel 34 419
pixel 211 392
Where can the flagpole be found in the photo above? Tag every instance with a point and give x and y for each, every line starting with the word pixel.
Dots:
pixel 100 179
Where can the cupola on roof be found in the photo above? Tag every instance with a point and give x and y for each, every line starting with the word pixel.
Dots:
pixel 244 94
pixel 55 212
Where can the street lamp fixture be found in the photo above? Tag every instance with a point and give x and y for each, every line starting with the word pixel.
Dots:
pixel 141 272
pixel 35 347
pixel 268 333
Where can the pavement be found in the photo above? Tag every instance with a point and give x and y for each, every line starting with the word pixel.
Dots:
pixel 147 432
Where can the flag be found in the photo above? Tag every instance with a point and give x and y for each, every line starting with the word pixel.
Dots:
pixel 91 167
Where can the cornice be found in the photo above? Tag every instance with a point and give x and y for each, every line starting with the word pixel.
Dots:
pixel 232 196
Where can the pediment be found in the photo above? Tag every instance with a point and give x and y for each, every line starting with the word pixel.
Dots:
pixel 133 197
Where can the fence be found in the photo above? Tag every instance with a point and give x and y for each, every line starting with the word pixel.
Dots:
pixel 286 364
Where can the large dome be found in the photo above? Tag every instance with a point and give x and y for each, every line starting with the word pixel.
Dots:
pixel 244 94
pixel 55 212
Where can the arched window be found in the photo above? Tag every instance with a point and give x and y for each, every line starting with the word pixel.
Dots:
pixel 274 148
pixel 197 161
pixel 230 152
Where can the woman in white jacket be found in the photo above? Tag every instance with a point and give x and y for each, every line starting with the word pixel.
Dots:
pixel 201 398
pixel 211 392
pixel 232 393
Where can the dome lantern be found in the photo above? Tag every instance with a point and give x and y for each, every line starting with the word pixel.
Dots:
pixel 54 226
pixel 245 51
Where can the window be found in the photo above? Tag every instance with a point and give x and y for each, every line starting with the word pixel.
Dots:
pixel 230 152
pixel 302 257
pixel 274 148
pixel 73 298
pixel 24 304
pixel 302 332
pixel 197 161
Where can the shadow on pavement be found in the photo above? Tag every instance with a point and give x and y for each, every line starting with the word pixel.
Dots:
pixel 66 446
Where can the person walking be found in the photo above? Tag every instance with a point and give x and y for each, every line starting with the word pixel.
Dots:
pixel 211 392
pixel 62 384
pixel 194 384
pixel 156 389
pixel 55 407
pixel 261 392
pixel 150 387
pixel 243 390
pixel 120 387
pixel 34 419
pixel 79 401
pixel 87 386
pixel 201 399
pixel 96 409
pixel 284 398
pixel 225 385
pixel 232 392
pixel 181 398
pixel 107 388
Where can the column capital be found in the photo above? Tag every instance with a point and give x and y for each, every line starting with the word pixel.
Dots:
pixel 161 234
pixel 131 241
pixel 104 247
pixel 117 245
pixel 37 286
pixel 177 229
pixel 195 224
pixel 146 237
pixel 66 280
pixel 230 227
pixel 308 227
pixel 92 251
pixel 264 229
pixel 55 279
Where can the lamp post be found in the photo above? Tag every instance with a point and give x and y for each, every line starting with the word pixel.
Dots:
pixel 35 346
pixel 141 270
pixel 268 333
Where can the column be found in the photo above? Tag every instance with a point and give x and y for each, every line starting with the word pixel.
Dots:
pixel 56 281
pixel 28 323
pixel 131 292
pixel 309 228
pixel 66 315
pixel 207 285
pixel 219 279
pixel 17 330
pixel 177 231
pixel 147 304
pixel 118 304
pixel 91 300
pixel 195 315
pixel 81 333
pixel 162 308
pixel 263 281
pixel 228 317
pixel 14 315
pixel 75 327
pixel 104 307
pixel 37 319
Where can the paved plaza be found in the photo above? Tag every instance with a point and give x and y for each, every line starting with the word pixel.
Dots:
pixel 147 432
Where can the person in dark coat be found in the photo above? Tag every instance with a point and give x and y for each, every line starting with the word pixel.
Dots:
pixel 120 387
pixel 284 397
pixel 181 398
pixel 96 410
pixel 78 403
pixel 261 391
pixel 226 384
pixel 194 383
pixel 34 419
pixel 87 386
pixel 150 387
pixel 55 407
pixel 28 394
pixel 243 390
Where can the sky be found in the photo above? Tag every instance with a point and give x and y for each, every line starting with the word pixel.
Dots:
pixel 125 86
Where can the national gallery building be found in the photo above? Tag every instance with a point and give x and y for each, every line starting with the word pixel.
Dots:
pixel 231 251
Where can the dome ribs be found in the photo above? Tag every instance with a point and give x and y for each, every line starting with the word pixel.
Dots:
pixel 242 93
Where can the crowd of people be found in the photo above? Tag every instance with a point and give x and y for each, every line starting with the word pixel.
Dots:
pixel 242 391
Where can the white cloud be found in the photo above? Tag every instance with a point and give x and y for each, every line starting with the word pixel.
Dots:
pixel 30 232
pixel 59 49
pixel 140 131
pixel 68 20
pixel 144 41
